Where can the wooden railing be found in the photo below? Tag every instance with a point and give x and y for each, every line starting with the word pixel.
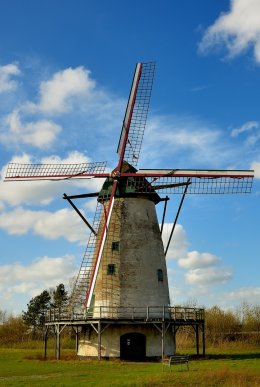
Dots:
pixel 149 313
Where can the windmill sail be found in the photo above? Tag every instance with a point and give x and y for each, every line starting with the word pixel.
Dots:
pixel 82 283
pixel 132 132
pixel 20 172
pixel 201 181
pixel 108 208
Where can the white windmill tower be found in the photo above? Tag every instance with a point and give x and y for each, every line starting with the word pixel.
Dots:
pixel 122 282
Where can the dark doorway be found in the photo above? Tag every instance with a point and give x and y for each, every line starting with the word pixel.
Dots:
pixel 133 346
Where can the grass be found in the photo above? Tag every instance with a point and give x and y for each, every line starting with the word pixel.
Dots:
pixel 229 366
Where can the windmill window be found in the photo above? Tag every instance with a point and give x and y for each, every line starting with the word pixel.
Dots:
pixel 111 269
pixel 115 246
pixel 160 275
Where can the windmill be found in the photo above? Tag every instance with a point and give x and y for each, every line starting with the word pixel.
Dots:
pixel 123 269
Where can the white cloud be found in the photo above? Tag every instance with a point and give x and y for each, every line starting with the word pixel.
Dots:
pixel 187 132
pixel 196 144
pixel 19 282
pixel 236 30
pixel 69 90
pixel 56 93
pixel 188 139
pixel 91 205
pixel 6 74
pixel 40 269
pixel 250 126
pixel 40 134
pixel 74 157
pixel 63 223
pixel 50 225
pixel 179 243
pixel 19 221
pixel 252 139
pixel 225 299
pixel 245 128
pixel 256 166
pixel 196 139
pixel 208 276
pixel 203 269
pixel 195 260
pixel 248 294
pixel 234 298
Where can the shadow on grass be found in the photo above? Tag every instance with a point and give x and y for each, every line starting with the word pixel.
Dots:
pixel 66 357
pixel 231 356
pixel 74 357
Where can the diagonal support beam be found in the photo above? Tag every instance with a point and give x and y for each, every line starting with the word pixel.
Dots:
pixel 79 213
pixel 82 196
pixel 177 216
pixel 164 211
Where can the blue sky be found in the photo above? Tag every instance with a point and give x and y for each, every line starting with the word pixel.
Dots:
pixel 65 73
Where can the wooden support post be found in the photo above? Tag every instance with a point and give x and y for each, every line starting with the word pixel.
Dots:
pixel 77 338
pixel 174 339
pixel 197 339
pixel 57 342
pixel 99 340
pixel 163 339
pixel 203 339
pixel 45 340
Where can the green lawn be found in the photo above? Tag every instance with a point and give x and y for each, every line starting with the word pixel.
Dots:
pixel 223 367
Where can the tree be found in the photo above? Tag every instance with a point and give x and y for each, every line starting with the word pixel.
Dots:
pixel 220 324
pixel 250 320
pixel 3 316
pixel 13 331
pixel 59 296
pixel 34 317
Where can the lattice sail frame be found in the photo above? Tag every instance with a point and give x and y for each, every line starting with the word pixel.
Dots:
pixel 85 274
pixel 200 181
pixel 136 113
pixel 20 172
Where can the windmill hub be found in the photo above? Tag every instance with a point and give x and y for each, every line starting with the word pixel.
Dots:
pixel 115 174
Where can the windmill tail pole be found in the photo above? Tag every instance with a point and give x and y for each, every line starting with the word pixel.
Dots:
pixel 177 216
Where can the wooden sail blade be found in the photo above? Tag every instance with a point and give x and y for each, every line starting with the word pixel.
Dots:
pixel 21 172
pixel 201 181
pixel 132 132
